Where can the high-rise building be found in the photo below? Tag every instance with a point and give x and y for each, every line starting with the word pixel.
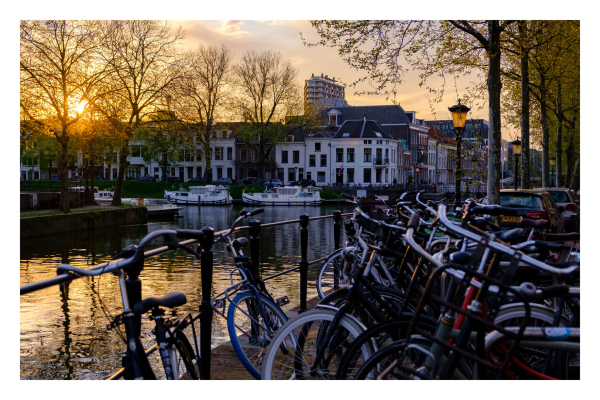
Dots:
pixel 318 88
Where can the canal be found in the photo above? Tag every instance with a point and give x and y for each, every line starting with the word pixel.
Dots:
pixel 63 333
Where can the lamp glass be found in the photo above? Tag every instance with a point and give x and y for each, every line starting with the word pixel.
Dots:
pixel 553 161
pixel 459 118
pixel 516 147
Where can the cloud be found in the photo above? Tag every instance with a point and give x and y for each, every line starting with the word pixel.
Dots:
pixel 231 27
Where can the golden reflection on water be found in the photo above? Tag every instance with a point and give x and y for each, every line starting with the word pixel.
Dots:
pixel 64 330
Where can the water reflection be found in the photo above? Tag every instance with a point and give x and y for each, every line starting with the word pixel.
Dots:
pixel 64 329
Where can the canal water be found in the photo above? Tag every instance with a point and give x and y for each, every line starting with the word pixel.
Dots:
pixel 63 333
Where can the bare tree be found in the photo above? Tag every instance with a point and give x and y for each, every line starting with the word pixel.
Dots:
pixel 145 62
pixel 60 75
pixel 267 93
pixel 204 94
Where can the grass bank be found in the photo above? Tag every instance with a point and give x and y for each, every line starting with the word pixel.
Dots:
pixel 154 190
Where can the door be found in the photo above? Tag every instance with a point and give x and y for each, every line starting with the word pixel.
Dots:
pixel 339 177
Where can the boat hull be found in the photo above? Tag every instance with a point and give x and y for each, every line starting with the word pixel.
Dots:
pixel 247 199
pixel 192 199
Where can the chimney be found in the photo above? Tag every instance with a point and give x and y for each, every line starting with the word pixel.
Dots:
pixel 321 74
pixel 333 78
pixel 313 75
pixel 325 76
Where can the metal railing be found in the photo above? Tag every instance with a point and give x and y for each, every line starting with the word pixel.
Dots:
pixel 206 266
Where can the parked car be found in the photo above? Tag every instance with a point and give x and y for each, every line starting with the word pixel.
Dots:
pixel 147 178
pixel 306 182
pixel 55 178
pixel 173 179
pixel 98 178
pixel 273 183
pixel 196 180
pixel 535 204
pixel 567 199
pixel 76 178
pixel 251 180
pixel 223 181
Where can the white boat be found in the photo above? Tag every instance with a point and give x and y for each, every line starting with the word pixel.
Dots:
pixel 102 196
pixel 156 206
pixel 203 195
pixel 285 196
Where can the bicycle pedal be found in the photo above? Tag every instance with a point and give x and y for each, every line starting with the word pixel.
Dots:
pixel 282 301
pixel 118 320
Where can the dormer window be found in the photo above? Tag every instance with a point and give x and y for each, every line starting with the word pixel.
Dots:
pixel 345 135
pixel 290 138
pixel 377 134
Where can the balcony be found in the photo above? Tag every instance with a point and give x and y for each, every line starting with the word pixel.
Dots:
pixel 379 162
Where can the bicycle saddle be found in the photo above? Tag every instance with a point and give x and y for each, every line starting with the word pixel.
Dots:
pixel 240 242
pixel 173 299
pixel 460 257
pixel 534 223
pixel 510 236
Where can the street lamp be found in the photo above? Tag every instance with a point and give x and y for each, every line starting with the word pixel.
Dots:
pixel 459 118
pixel 417 178
pixel 552 165
pixel 516 145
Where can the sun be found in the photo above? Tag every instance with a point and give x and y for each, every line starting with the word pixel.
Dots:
pixel 81 106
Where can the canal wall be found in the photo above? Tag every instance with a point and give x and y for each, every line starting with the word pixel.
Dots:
pixel 96 218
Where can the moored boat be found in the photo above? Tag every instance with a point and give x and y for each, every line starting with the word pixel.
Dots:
pixel 207 195
pixel 156 207
pixel 285 196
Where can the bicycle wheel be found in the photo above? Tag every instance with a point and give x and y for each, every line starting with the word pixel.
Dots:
pixel 284 362
pixel 335 273
pixel 561 365
pixel 183 361
pixel 245 325
pixel 381 335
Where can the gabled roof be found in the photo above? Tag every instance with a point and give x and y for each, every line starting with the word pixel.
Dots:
pixel 362 128
pixel 385 115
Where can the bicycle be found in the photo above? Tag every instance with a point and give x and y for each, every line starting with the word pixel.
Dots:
pixel 253 316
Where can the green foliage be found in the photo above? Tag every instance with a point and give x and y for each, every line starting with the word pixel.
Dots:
pixel 328 194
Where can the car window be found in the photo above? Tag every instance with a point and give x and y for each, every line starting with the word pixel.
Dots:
pixel 507 200
pixel 560 197
pixel 548 202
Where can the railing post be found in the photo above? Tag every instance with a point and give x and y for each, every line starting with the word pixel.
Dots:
pixel 206 317
pixel 303 261
pixel 337 217
pixel 254 243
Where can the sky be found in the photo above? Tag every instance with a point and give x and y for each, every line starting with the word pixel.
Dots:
pixel 284 36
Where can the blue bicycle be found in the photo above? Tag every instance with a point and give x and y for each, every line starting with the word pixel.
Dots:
pixel 253 316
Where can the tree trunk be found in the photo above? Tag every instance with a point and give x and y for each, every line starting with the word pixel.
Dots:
pixel 495 133
pixel 62 172
pixel 559 136
pixel 525 173
pixel 545 133
pixel 164 165
pixel 575 184
pixel 121 177
pixel 571 153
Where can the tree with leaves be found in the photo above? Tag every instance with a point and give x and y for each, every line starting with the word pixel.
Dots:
pixel 444 48
pixel 61 74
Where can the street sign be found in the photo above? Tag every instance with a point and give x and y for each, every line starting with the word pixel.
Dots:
pixel 361 194
pixel 382 197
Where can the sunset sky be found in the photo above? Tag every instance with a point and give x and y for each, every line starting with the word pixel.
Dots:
pixel 284 36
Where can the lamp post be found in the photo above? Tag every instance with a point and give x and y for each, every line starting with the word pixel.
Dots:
pixel 552 165
pixel 459 118
pixel 417 178
pixel 517 154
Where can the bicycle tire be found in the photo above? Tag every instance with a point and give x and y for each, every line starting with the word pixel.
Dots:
pixel 325 278
pixel 309 328
pixel 183 361
pixel 541 316
pixel 381 335
pixel 250 348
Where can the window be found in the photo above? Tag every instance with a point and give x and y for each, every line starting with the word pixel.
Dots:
pixel 229 155
pixel 284 157
pixel 339 155
pixel 243 155
pixel 280 172
pixel 378 135
pixel 290 138
pixel 291 174
pixel 218 153
pixel 296 155
pixel 367 175
pixel 320 176
pixel 219 173
pixel 308 175
pixel 317 146
pixel 350 174
pixel 323 160
pixel 345 135
pixel 378 175
pixel 368 156
pixel 380 141
pixel 350 155
pixel 136 152
pixel 312 161
pixel 301 173
pixel 230 173
pixel 367 142
pixel 189 155
pixel 198 172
